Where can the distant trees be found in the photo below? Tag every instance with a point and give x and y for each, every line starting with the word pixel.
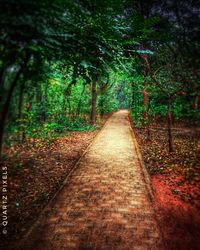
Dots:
pixel 64 62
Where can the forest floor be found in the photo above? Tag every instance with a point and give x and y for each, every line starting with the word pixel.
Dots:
pixel 36 170
pixel 105 204
pixel 175 179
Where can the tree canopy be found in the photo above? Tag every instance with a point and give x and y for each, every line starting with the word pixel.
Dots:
pixel 65 62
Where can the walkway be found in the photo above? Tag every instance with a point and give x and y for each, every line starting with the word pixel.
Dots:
pixel 105 205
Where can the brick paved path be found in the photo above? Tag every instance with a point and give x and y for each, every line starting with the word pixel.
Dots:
pixel 105 205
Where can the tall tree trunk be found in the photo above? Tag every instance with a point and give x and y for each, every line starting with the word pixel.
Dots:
pixel 2 76
pixel 145 114
pixel 6 104
pixel 169 123
pixel 11 59
pixel 101 100
pixel 5 107
pixel 94 102
pixel 147 72
pixel 146 103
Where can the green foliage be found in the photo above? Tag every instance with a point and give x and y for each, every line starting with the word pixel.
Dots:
pixel 51 52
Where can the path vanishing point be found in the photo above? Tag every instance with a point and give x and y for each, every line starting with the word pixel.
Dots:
pixel 105 204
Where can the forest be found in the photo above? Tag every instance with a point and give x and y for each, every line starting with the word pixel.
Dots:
pixel 67 65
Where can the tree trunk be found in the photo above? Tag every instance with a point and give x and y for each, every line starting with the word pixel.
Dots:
pixel 146 103
pixel 145 114
pixel 94 102
pixel 101 100
pixel 11 59
pixel 1 76
pixel 169 122
pixel 5 108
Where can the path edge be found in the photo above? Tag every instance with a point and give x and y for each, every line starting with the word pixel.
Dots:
pixel 146 176
pixel 23 242
pixel 145 173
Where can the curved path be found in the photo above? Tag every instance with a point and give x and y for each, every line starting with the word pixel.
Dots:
pixel 105 205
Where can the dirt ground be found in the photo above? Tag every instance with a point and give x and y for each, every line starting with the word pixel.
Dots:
pixel 36 170
pixel 175 179
pixel 105 204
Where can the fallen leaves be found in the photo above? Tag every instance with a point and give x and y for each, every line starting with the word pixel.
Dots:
pixel 181 168
pixel 36 170
pixel 179 219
